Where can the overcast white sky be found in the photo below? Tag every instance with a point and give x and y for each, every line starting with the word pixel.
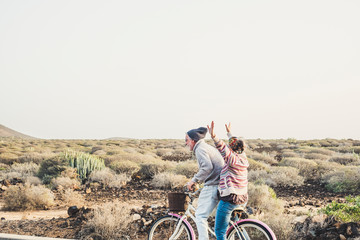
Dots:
pixel 155 69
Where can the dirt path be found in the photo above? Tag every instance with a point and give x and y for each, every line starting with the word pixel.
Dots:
pixel 33 215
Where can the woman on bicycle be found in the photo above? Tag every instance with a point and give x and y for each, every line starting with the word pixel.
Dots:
pixel 233 179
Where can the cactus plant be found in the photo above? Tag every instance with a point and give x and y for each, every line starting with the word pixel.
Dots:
pixel 84 163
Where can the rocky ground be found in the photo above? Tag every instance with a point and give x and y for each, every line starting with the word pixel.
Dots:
pixel 149 204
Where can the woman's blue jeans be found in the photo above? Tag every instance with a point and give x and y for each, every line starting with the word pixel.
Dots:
pixel 222 218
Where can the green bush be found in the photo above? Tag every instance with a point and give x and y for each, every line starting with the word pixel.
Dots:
pixel 84 163
pixel 51 168
pixel 345 212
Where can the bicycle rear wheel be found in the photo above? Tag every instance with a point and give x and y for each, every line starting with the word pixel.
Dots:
pixel 250 229
pixel 165 227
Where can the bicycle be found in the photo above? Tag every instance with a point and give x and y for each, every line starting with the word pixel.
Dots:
pixel 174 226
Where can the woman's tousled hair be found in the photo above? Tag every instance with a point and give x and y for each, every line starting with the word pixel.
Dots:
pixel 237 145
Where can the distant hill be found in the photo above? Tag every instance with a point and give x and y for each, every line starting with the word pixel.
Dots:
pixel 118 138
pixel 7 132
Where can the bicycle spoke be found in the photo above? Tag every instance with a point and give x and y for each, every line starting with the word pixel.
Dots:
pixel 167 228
pixel 250 231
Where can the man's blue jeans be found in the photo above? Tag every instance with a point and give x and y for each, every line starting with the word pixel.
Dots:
pixel 222 218
pixel 207 201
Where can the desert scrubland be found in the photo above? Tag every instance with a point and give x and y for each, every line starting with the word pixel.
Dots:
pixel 301 189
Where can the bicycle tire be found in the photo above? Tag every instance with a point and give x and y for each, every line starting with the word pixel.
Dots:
pixel 165 226
pixel 250 229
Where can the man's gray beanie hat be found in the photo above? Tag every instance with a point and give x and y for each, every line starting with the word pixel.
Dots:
pixel 197 134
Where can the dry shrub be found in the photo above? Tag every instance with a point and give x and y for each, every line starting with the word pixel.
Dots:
pixel 9 175
pixel 289 153
pixel 110 220
pixel 316 156
pixel 108 178
pixel 307 167
pixel 25 169
pixel 263 157
pixel 270 210
pixel 168 180
pixel 4 166
pixel 27 197
pixel 345 179
pixel 264 198
pixel 126 167
pixel 188 168
pixel 251 145
pixel 179 155
pixel 130 150
pixel 258 176
pixel 65 182
pixel 356 149
pixel 255 165
pixel 36 157
pixel 133 157
pixel 284 176
pixel 325 167
pixel 70 198
pixel 163 151
pixel 70 173
pixel 346 159
pixel 281 224
pixel 322 151
pixel 99 153
pixel 150 169
pixel 96 148
pixel 119 181
pixel 104 176
pixel 33 180
pixel 347 149
pixel 325 143
pixel 8 158
pixel 20 171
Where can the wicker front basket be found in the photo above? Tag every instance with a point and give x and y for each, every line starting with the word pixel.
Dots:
pixel 178 202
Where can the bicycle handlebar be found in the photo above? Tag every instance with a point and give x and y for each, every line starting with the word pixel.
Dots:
pixel 191 194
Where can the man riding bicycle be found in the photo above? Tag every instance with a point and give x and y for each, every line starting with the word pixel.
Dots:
pixel 210 163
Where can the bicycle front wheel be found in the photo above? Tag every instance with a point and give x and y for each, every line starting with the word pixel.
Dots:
pixel 167 228
pixel 250 229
